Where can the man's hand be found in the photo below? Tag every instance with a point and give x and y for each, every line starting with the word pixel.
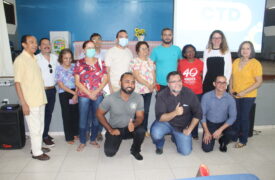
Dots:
pixel 115 132
pixel 179 110
pixel 186 132
pixel 217 134
pixel 75 99
pixel 26 109
pixel 131 126
pixel 207 137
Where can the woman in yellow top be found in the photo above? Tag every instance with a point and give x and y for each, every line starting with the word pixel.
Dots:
pixel 246 79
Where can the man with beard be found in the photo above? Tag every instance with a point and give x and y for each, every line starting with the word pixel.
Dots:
pixel 166 57
pixel 178 111
pixel 48 62
pixel 126 115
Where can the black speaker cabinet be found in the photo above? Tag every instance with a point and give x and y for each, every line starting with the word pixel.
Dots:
pixel 12 129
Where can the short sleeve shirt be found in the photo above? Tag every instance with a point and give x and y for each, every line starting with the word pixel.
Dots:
pixel 166 60
pixel 146 71
pixel 245 77
pixel 191 74
pixel 28 74
pixel 66 76
pixel 122 111
pixel 90 75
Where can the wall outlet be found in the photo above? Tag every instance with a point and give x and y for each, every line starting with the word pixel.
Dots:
pixel 5 101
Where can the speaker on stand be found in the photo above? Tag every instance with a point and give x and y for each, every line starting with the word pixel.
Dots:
pixel 12 128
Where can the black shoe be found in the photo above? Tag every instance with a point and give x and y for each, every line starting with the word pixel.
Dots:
pixel 48 142
pixel 42 157
pixel 159 151
pixel 51 138
pixel 44 150
pixel 223 147
pixel 138 156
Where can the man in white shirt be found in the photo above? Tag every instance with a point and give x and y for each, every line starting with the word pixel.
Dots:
pixel 47 63
pixel 117 60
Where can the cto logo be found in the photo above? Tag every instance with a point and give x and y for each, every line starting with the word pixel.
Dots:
pixel 232 16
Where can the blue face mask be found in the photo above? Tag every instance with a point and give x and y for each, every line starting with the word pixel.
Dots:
pixel 123 42
pixel 90 53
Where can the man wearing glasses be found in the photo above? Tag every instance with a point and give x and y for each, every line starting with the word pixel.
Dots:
pixel 219 113
pixel 48 62
pixel 178 111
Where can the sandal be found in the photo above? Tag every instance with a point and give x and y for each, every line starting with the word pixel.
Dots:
pixel 94 143
pixel 239 145
pixel 80 147
pixel 70 142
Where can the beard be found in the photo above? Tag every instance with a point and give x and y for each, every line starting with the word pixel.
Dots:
pixel 167 42
pixel 128 90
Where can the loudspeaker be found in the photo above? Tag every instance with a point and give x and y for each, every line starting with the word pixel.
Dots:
pixel 12 129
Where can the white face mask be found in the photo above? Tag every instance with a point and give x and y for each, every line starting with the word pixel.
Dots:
pixel 123 42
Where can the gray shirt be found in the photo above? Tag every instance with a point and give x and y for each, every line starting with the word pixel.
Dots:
pixel 122 111
pixel 218 110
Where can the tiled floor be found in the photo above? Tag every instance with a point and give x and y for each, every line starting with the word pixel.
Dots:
pixel 66 164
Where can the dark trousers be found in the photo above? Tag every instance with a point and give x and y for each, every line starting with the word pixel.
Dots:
pixel 147 101
pixel 241 125
pixel 70 116
pixel 112 143
pixel 228 135
pixel 50 93
pixel 195 130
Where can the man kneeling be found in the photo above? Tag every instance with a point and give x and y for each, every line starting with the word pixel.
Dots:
pixel 123 105
pixel 178 111
pixel 219 113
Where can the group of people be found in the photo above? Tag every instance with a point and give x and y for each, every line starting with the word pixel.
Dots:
pixel 189 91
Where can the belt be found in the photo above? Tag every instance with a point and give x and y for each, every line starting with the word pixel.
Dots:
pixel 49 87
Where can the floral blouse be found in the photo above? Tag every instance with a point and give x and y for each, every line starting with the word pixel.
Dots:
pixel 90 75
pixel 66 76
pixel 146 71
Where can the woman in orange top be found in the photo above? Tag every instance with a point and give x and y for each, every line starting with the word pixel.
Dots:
pixel 246 79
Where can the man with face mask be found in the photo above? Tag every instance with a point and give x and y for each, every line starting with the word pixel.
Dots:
pixel 166 57
pixel 118 59
pixel 48 62
pixel 178 111
pixel 126 116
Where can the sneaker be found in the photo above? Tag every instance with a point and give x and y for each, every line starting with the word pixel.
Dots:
pixel 51 138
pixel 48 142
pixel 42 157
pixel 159 151
pixel 138 156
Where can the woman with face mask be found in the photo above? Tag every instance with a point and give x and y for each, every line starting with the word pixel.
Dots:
pixel 90 78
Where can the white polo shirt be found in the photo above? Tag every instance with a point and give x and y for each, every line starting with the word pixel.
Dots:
pixel 49 78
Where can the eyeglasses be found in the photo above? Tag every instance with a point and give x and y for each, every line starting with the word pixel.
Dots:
pixel 51 68
pixel 216 38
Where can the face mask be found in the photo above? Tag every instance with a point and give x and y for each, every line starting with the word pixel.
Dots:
pixel 90 53
pixel 123 42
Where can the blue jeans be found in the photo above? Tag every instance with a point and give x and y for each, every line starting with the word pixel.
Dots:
pixel 87 110
pixel 160 129
pixel 195 133
pixel 50 93
pixel 241 125
pixel 147 102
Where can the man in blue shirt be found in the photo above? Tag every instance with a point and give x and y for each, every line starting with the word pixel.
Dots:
pixel 219 113
pixel 166 57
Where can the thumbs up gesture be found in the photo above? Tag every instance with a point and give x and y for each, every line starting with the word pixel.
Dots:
pixel 131 126
pixel 179 110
